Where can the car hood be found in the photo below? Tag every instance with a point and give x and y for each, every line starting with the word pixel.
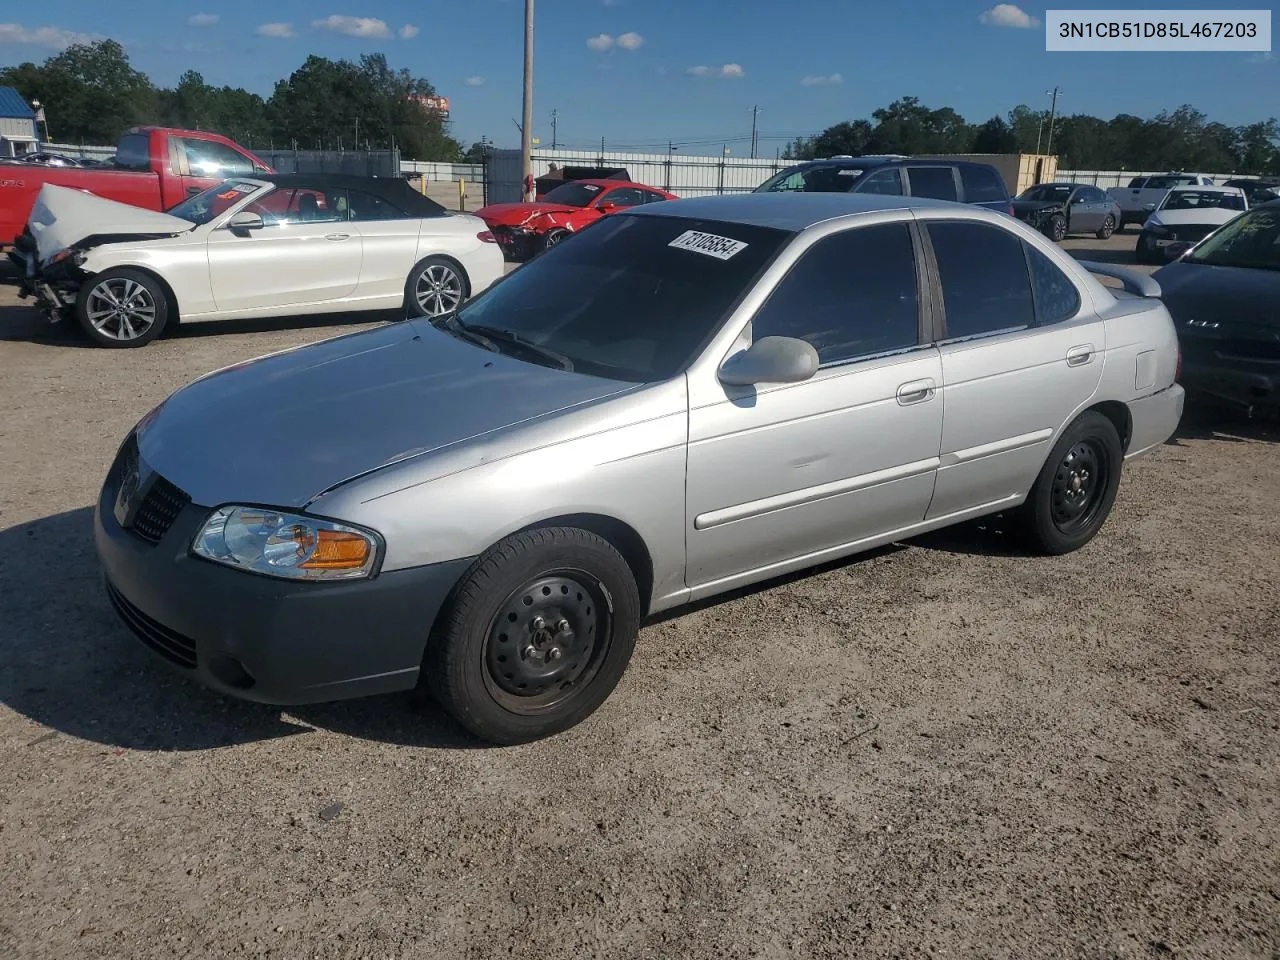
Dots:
pixel 63 216
pixel 514 214
pixel 1183 218
pixel 282 429
pixel 1235 296
pixel 1021 207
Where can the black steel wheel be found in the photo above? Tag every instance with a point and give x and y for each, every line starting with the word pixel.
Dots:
pixel 535 636
pixel 1108 228
pixel 548 638
pixel 1073 495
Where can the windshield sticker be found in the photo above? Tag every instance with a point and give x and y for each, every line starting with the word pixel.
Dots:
pixel 722 248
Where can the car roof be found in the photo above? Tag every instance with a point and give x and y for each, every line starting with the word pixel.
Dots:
pixel 788 211
pixel 395 190
pixel 615 183
pixel 885 161
pixel 1203 188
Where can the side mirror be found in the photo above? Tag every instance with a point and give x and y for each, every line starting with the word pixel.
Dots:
pixel 608 207
pixel 244 221
pixel 770 360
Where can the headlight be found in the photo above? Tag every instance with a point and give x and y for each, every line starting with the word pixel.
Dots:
pixel 75 256
pixel 286 545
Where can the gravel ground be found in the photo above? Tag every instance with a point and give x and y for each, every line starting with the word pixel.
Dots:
pixel 941 749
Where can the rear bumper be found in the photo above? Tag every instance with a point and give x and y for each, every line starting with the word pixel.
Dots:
pixel 260 638
pixel 1155 418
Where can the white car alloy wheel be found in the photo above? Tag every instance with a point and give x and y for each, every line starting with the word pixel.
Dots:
pixel 438 289
pixel 121 308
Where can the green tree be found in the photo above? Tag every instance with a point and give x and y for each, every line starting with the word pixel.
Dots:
pixel 995 136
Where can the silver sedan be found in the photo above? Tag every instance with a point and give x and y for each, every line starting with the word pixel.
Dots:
pixel 682 399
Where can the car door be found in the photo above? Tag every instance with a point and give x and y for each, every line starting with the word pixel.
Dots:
pixel 1020 354
pixel 1084 215
pixel 886 182
pixel 779 472
pixel 305 253
pixel 389 245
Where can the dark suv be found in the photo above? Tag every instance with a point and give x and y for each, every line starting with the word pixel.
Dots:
pixel 963 181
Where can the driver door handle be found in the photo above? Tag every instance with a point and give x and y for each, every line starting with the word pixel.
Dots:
pixel 337 236
pixel 916 391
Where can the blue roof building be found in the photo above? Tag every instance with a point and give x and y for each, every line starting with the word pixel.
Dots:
pixel 17 124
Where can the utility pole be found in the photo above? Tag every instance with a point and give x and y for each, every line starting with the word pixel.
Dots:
pixel 555 115
pixel 755 115
pixel 1053 109
pixel 526 126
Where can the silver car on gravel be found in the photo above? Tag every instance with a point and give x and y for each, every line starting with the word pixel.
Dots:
pixel 682 399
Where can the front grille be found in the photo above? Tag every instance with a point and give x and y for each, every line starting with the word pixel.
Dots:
pixel 170 645
pixel 1192 233
pixel 161 507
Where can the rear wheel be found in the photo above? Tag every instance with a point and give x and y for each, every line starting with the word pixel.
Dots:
pixel 1108 228
pixel 436 286
pixel 536 636
pixel 1073 495
pixel 122 308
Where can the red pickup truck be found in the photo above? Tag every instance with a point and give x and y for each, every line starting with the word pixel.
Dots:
pixel 154 167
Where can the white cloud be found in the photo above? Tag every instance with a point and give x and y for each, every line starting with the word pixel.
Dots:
pixel 1008 15
pixel 729 70
pixel 630 41
pixel 600 43
pixel 822 81
pixel 603 42
pixel 474 81
pixel 364 27
pixel 55 38
pixel 408 31
pixel 202 19
pixel 280 31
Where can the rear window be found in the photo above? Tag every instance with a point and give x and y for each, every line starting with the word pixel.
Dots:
pixel 631 297
pixel 936 183
pixel 1137 182
pixel 823 178
pixel 1165 183
pixel 982 185
pixel 134 152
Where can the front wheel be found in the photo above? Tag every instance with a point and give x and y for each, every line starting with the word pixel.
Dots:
pixel 122 308
pixel 554 238
pixel 1073 495
pixel 536 635
pixel 1108 228
pixel 1146 250
pixel 1057 229
pixel 436 286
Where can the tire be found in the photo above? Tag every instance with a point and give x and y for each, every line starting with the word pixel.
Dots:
pixel 436 287
pixel 535 636
pixel 1108 228
pixel 1057 229
pixel 1145 251
pixel 122 308
pixel 1073 495
pixel 553 237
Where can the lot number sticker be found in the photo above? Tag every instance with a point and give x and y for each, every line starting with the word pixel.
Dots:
pixel 722 248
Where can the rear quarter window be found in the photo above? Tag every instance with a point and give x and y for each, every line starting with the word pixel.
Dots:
pixel 982 185
pixel 936 183
pixel 134 152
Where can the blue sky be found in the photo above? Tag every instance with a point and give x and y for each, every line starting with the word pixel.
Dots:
pixel 640 72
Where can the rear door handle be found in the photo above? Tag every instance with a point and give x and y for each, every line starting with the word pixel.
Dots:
pixel 917 391
pixel 337 236
pixel 1079 356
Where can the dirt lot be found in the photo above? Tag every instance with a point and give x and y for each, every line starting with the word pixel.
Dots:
pixel 943 749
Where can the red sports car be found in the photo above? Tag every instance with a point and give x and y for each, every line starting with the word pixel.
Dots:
pixel 524 229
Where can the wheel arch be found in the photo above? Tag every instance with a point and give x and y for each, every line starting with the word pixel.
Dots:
pixel 171 298
pixel 1119 415
pixel 436 255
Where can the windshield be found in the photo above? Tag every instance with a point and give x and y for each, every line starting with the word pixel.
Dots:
pixel 1201 200
pixel 214 202
pixel 827 178
pixel 1057 192
pixel 573 194
pixel 1166 183
pixel 1250 240
pixel 631 297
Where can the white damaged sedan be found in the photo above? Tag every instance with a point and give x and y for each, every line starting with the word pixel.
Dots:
pixel 251 247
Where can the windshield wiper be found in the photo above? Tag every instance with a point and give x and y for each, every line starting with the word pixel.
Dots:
pixel 499 335
pixel 450 322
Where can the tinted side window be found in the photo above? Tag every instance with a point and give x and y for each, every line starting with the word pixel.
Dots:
pixel 651 197
pixel 887 182
pixel 1137 182
pixel 985 286
pixel 938 183
pixel 134 152
pixel 1056 297
pixel 365 206
pixel 982 185
pixel 852 294
pixel 624 197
